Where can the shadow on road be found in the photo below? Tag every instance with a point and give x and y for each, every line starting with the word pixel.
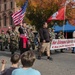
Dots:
pixel 5 53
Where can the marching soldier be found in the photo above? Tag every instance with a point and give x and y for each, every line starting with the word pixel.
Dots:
pixel 2 36
pixel 31 38
pixel 61 36
pixel 7 36
pixel 13 40
pixel 52 34
pixel 9 30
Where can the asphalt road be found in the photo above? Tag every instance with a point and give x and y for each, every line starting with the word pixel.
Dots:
pixel 62 64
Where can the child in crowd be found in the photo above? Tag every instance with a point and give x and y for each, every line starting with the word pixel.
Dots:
pixel 27 61
pixel 15 62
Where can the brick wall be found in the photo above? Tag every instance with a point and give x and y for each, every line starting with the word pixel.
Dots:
pixel 6 13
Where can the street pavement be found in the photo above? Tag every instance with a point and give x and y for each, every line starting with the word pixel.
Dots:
pixel 62 64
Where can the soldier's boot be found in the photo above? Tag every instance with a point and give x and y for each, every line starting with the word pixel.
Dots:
pixel 40 54
pixel 39 57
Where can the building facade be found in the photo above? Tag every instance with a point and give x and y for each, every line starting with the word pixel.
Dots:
pixel 7 7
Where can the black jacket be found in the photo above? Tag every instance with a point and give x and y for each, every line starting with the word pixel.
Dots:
pixel 21 30
pixel 44 35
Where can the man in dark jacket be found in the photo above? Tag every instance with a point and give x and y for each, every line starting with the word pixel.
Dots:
pixel 45 41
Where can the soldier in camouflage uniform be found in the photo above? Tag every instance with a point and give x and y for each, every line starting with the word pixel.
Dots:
pixel 7 41
pixel 31 38
pixel 2 38
pixel 9 31
pixel 61 36
pixel 52 34
pixel 13 41
pixel 7 35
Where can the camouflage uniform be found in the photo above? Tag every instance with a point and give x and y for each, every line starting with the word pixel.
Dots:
pixel 7 41
pixel 31 38
pixel 2 38
pixel 13 41
pixel 52 35
pixel 61 36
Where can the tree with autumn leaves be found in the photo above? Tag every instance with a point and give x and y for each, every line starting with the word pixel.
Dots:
pixel 39 11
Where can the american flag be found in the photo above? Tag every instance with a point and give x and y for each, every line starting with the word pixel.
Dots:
pixel 19 15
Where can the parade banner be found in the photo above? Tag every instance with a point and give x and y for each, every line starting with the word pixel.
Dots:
pixel 62 43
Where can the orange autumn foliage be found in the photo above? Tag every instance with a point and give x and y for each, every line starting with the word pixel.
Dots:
pixel 47 4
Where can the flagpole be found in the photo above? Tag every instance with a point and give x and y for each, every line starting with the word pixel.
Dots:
pixel 64 19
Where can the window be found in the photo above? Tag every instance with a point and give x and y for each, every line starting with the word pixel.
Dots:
pixel 0 1
pixel 4 0
pixel 0 7
pixel 4 6
pixel 0 21
pixel 4 19
pixel 11 4
pixel 10 18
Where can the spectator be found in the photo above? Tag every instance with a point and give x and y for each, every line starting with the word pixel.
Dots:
pixel 14 60
pixel 27 61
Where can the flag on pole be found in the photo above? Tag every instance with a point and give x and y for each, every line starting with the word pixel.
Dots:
pixel 59 15
pixel 19 15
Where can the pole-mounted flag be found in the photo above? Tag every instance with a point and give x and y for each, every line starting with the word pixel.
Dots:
pixel 19 15
pixel 59 15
